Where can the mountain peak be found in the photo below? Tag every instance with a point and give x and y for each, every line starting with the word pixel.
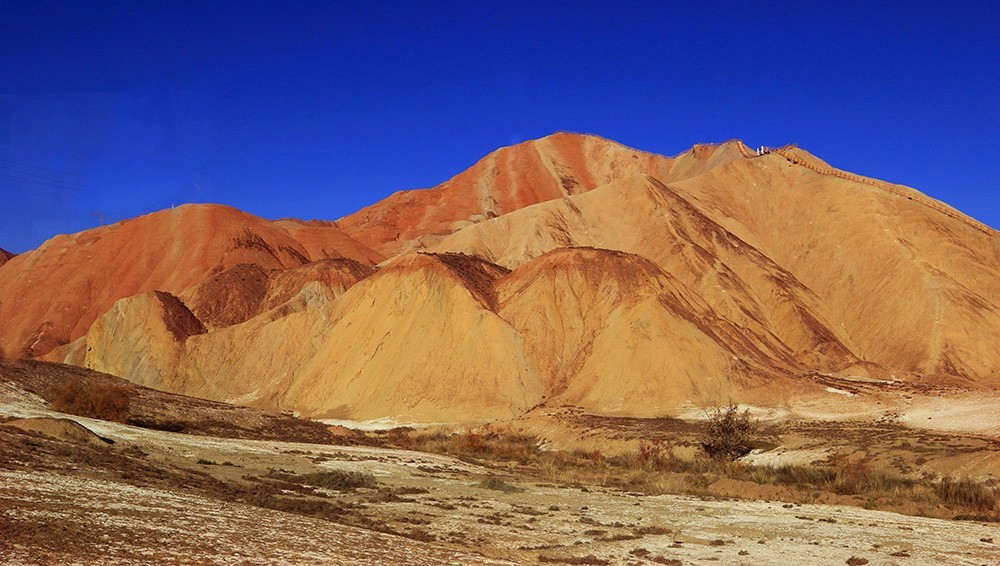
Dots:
pixel 556 166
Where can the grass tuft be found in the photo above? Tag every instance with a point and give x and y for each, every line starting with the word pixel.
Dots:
pixel 338 480
pixel 967 493
pixel 497 484
pixel 96 399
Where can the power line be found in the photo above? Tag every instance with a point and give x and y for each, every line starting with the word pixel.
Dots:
pixel 46 149
pixel 41 182
pixel 37 177
pixel 11 163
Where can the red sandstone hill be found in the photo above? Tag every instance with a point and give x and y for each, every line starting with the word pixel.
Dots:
pixel 566 270
pixel 51 295
pixel 5 256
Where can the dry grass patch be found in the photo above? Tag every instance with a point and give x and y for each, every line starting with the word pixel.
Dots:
pixel 589 559
pixel 96 399
pixel 339 480
pixel 967 493
pixel 498 484
pixel 653 468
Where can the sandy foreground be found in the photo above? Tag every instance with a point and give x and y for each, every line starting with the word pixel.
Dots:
pixel 111 521
pixel 127 524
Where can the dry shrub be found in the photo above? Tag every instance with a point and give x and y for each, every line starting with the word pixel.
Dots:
pixel 419 534
pixel 96 399
pixel 651 455
pixel 843 477
pixel 796 475
pixel 472 442
pixel 589 559
pixel 497 484
pixel 967 493
pixel 653 530
pixel 858 477
pixel 730 433
pixel 496 446
pixel 338 480
pixel 851 477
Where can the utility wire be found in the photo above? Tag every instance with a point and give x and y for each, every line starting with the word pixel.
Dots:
pixel 36 176
pixel 32 174
pixel 40 182
pixel 10 163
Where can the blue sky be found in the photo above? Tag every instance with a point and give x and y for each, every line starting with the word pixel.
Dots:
pixel 109 110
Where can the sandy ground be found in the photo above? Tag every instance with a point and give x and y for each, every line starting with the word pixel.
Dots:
pixel 120 523
pixel 443 502
pixel 128 524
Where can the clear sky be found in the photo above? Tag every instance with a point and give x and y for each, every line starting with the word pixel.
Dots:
pixel 109 110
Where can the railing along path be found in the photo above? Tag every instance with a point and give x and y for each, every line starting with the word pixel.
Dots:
pixel 785 153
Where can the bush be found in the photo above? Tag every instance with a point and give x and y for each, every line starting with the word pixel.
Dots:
pixel 651 455
pixel 804 476
pixel 487 445
pixel 966 492
pixel 339 480
pixel 96 400
pixel 497 484
pixel 730 433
